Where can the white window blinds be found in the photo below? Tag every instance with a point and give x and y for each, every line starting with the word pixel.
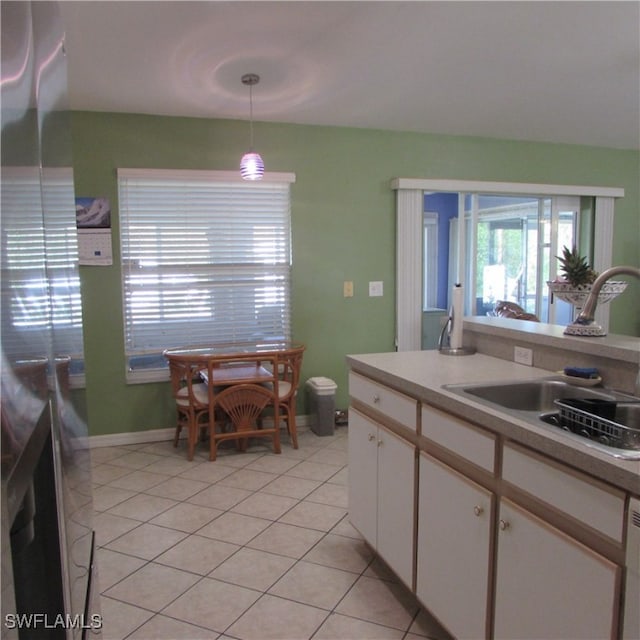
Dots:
pixel 40 263
pixel 205 259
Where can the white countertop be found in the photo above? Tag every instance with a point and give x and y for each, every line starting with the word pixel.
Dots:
pixel 421 374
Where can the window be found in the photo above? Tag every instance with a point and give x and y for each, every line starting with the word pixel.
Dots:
pixel 599 205
pixel 40 263
pixel 512 244
pixel 206 259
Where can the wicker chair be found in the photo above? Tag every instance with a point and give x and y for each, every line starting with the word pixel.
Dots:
pixel 289 364
pixel 192 400
pixel 243 404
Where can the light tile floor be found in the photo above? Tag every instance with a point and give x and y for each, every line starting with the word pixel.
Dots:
pixel 253 546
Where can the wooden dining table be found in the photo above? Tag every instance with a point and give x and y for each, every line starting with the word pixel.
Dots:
pixel 229 373
pixel 235 363
pixel 232 350
pixel 226 365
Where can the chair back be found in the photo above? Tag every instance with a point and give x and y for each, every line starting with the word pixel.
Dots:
pixel 243 404
pixel 187 386
pixel 289 366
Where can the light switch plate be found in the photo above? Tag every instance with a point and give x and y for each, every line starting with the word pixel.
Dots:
pixel 347 289
pixel 375 288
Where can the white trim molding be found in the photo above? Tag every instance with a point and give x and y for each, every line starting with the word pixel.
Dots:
pixel 409 249
pixel 520 188
pixel 132 437
pixel 409 276
pixel 157 435
pixel 603 248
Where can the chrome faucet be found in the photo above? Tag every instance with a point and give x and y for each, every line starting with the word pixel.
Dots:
pixel 585 318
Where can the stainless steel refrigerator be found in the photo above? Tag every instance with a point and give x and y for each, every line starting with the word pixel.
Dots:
pixel 47 534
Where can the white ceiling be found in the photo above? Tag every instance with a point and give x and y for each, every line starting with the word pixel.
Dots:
pixel 546 71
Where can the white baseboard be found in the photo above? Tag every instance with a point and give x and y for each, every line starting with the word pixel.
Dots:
pixel 134 437
pixel 155 435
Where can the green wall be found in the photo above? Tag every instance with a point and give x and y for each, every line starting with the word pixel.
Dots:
pixel 343 228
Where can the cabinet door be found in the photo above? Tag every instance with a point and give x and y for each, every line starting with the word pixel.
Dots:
pixel 454 535
pixel 396 503
pixel 548 585
pixel 363 473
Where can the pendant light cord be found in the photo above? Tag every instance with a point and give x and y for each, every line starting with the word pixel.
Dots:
pixel 251 117
pixel 249 79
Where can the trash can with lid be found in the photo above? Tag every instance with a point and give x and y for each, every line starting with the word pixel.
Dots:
pixel 322 401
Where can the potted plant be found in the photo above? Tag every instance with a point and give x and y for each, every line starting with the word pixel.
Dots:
pixel 577 277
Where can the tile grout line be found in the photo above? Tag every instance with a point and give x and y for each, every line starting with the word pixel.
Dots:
pixel 340 468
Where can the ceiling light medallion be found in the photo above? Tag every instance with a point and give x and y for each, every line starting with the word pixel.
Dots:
pixel 251 165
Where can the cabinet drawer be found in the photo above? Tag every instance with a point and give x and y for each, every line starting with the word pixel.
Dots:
pixel 593 503
pixel 459 437
pixel 397 406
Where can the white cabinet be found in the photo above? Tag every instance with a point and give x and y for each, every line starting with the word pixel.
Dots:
pixel 396 503
pixel 381 491
pixel 453 548
pixel 363 476
pixel 502 542
pixel 547 584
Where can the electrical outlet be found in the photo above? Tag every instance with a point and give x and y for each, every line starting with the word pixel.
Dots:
pixel 523 356
pixel 347 289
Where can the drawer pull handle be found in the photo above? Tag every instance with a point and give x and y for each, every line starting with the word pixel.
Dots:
pixel 380 443
pixel 504 525
pixel 376 398
pixel 478 511
pixel 371 437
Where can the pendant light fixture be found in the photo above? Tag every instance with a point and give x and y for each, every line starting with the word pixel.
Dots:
pixel 251 165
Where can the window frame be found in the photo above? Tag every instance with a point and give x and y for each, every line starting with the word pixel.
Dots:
pixel 409 209
pixel 430 260
pixel 538 211
pixel 144 363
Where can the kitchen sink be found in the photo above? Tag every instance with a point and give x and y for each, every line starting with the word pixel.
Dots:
pixel 628 414
pixel 530 395
pixel 536 401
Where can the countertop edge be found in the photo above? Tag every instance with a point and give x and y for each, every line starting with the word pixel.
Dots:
pixel 612 346
pixel 624 474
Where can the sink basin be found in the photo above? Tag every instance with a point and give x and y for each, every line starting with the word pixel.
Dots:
pixel 534 401
pixel 628 414
pixel 528 395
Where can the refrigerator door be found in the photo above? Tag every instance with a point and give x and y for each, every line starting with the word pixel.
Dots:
pixel 47 550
